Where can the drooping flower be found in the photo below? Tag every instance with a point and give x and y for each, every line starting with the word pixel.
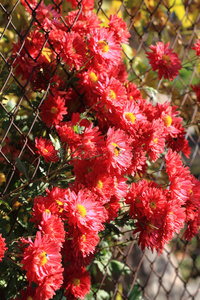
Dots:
pixel 46 149
pixel 163 60
pixel 76 283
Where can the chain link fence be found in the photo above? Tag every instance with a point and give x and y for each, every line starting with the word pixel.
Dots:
pixel 175 274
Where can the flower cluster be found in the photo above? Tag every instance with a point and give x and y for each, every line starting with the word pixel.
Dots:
pixel 108 133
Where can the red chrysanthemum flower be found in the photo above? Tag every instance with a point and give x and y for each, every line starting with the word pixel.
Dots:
pixel 71 253
pixel 119 28
pixel 118 151
pixel 163 60
pixel 74 50
pixel 101 184
pixel 76 283
pixel 179 176
pixel 54 204
pixel 121 187
pixel 51 283
pixel 83 242
pixel 46 149
pixel 3 247
pixel 196 89
pixel 133 93
pixel 139 160
pixel 52 110
pixel 86 22
pixel 67 133
pixel 92 142
pixel 103 47
pixel 54 227
pixel 154 139
pixel 178 142
pixel 113 94
pixel 40 258
pixel 197 47
pixel 193 210
pixel 173 221
pixel 112 208
pixel 131 117
pixel 89 79
pixel 147 205
pixel 84 212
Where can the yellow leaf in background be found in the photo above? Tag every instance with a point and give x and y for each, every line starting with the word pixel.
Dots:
pixel 187 19
pixel 120 288
pixel 2 178
pixel 111 8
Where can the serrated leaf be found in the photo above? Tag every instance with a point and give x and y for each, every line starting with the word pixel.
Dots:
pixel 21 167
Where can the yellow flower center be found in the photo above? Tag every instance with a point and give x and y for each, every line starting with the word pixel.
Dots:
pixel 60 204
pixel 83 237
pixel 29 298
pixel 47 53
pixel 45 150
pixel 112 95
pixel 43 258
pixel 167 59
pixel 103 45
pixel 130 117
pixel 54 110
pixel 81 210
pixel 76 282
pixel 100 184
pixel 156 140
pixel 116 149
pixel 93 78
pixel 153 205
pixel 47 211
pixel 167 120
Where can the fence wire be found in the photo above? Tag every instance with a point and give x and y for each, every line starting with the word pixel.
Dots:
pixel 175 274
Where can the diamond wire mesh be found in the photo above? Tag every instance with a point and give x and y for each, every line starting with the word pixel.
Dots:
pixel 175 273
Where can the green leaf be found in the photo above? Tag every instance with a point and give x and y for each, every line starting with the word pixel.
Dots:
pixel 2 202
pixel 136 293
pixel 118 267
pixel 21 167
pixel 102 295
